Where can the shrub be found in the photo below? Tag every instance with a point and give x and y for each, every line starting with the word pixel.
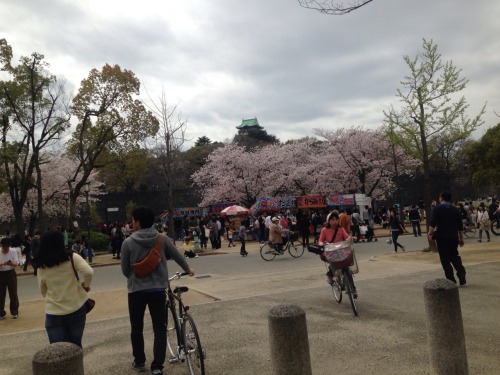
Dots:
pixel 98 240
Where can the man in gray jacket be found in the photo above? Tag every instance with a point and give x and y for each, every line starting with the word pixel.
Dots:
pixel 150 290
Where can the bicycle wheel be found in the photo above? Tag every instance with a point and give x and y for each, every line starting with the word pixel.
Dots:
pixel 267 252
pixel 350 290
pixel 470 231
pixel 195 354
pixel 337 289
pixel 172 341
pixel 296 249
pixel 495 226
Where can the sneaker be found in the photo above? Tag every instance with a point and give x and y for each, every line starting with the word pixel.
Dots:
pixel 404 248
pixel 462 280
pixel 3 317
pixel 139 367
pixel 15 316
pixel 114 256
pixel 156 372
pixel 478 240
pixel 394 252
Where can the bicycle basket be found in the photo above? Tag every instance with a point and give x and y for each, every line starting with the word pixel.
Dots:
pixel 340 254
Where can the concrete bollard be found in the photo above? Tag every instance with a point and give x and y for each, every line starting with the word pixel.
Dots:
pixel 289 341
pixel 445 329
pixel 57 359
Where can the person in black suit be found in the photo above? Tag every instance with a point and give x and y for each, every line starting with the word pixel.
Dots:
pixel 446 227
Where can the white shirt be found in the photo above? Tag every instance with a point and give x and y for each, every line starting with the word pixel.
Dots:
pixel 267 222
pixel 12 256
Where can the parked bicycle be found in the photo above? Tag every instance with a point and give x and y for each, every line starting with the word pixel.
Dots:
pixel 183 340
pixel 495 224
pixel 293 245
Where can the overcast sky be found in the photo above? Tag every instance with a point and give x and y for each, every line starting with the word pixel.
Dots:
pixel 292 68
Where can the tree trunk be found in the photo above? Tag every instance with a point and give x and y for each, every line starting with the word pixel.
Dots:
pixel 428 200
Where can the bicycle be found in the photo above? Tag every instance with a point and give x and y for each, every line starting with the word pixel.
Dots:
pixel 469 229
pixel 341 262
pixel 183 340
pixel 293 245
pixel 495 224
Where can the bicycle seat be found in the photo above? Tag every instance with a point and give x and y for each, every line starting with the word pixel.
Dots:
pixel 180 289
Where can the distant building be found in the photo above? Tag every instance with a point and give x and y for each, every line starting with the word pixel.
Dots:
pixel 248 124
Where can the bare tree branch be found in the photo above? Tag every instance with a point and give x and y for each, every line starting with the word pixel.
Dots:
pixel 331 7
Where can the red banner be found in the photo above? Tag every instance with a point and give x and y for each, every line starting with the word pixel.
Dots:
pixel 316 201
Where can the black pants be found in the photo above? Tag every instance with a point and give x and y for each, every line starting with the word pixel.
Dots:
pixel 242 248
pixel 448 254
pixel 137 303
pixel 8 283
pixel 305 237
pixel 416 228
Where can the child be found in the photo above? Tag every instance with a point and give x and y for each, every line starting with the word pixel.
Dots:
pixel 188 252
pixel 230 235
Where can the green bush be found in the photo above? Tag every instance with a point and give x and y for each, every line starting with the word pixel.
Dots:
pixel 98 241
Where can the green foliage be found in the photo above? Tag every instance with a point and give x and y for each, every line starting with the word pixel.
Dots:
pixel 98 240
pixel 125 170
pixel 429 117
pixel 202 141
pixel 482 157
pixel 94 214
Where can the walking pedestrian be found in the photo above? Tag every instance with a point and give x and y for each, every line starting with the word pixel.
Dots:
pixel 446 228
pixel 396 228
pixel 8 279
pixel 415 219
pixel 483 222
pixel 150 290
pixel 241 235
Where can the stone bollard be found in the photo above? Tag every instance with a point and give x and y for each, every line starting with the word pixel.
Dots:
pixel 57 359
pixel 289 341
pixel 445 329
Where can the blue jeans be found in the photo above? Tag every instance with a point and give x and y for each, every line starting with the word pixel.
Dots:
pixel 66 328
pixel 156 302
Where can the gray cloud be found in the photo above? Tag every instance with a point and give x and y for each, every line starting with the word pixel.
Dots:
pixel 293 68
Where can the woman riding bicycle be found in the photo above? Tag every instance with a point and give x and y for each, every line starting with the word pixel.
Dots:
pixel 275 233
pixel 331 233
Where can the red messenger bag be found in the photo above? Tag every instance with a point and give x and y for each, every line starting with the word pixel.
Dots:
pixel 148 264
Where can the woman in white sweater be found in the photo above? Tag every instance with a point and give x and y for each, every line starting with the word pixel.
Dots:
pixel 64 296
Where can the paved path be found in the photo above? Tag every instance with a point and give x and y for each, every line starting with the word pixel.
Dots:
pixel 389 337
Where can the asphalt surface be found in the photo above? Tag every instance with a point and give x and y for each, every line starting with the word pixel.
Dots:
pixel 388 337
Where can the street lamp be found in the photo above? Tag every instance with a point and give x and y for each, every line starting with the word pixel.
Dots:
pixel 86 189
pixel 66 198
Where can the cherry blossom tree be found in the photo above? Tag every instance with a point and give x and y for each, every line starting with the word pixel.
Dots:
pixel 363 160
pixel 230 174
pixel 55 175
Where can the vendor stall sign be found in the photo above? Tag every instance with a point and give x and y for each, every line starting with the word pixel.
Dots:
pixel 316 201
pixel 187 211
pixel 339 200
pixel 276 203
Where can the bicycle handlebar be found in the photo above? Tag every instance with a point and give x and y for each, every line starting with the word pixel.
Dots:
pixel 178 275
